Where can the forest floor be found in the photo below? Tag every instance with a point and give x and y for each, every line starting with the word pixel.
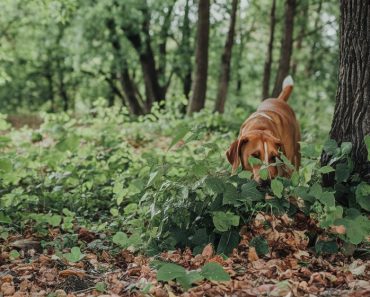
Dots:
pixel 291 268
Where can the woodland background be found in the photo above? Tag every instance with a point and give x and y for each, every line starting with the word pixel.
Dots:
pixel 115 118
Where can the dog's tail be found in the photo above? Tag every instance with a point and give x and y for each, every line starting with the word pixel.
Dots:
pixel 287 88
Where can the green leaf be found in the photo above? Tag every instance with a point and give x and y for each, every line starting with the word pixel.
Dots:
pixel 6 165
pixel 326 169
pixel 228 241
pixel 326 247
pixel 327 198
pixel 4 218
pixel 121 239
pixel 114 211
pixel 363 195
pixel 316 190
pixel 55 220
pixel 260 244
pixel 216 184
pixel 357 226
pixel 245 174
pixel 189 278
pixel 342 172
pixel 250 191
pixel 13 255
pixel 277 188
pixel 224 220
pixel 214 272
pixel 330 146
pixel 286 161
pixel 346 148
pixel 264 173
pixel 170 271
pixel 180 131
pixel 155 176
pixel 75 255
pixel 101 287
pixel 69 143
pixel 230 195
pixel 295 178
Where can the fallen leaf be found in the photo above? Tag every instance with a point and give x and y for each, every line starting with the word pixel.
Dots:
pixel 207 251
pixel 252 254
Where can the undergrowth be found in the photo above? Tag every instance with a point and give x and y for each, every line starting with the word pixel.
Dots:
pixel 159 182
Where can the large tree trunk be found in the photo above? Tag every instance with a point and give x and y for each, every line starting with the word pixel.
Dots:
pixel 270 47
pixel 223 82
pixel 198 98
pixel 351 120
pixel 286 46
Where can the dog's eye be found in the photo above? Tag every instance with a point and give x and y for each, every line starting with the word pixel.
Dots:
pixel 272 159
pixel 256 155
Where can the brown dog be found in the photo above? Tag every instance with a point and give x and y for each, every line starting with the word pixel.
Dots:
pixel 271 128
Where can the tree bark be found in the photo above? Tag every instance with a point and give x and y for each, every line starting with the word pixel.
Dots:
pixel 125 80
pixel 302 23
pixel 244 36
pixel 198 98
pixel 154 91
pixel 48 73
pixel 286 46
pixel 270 47
pixel 162 48
pixel 223 82
pixel 311 60
pixel 186 52
pixel 351 120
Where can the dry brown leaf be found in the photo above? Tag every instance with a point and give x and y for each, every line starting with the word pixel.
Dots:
pixel 252 254
pixel 69 272
pixel 338 229
pixel 356 268
pixel 7 289
pixel 26 244
pixel 207 251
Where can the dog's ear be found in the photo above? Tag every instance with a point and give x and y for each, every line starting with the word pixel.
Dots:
pixel 233 153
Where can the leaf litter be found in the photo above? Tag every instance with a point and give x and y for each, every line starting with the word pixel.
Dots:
pixel 280 262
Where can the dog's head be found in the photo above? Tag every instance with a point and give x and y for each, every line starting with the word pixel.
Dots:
pixel 259 144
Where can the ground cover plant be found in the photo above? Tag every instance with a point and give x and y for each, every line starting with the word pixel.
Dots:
pixel 100 184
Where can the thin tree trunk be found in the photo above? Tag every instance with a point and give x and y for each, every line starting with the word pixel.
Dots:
pixel 162 48
pixel 129 88
pixel 62 87
pixel 286 46
pixel 270 47
pixel 312 58
pixel 224 78
pixel 351 120
pixel 125 80
pixel 154 91
pixel 198 98
pixel 244 37
pixel 186 52
pixel 299 42
pixel 49 79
